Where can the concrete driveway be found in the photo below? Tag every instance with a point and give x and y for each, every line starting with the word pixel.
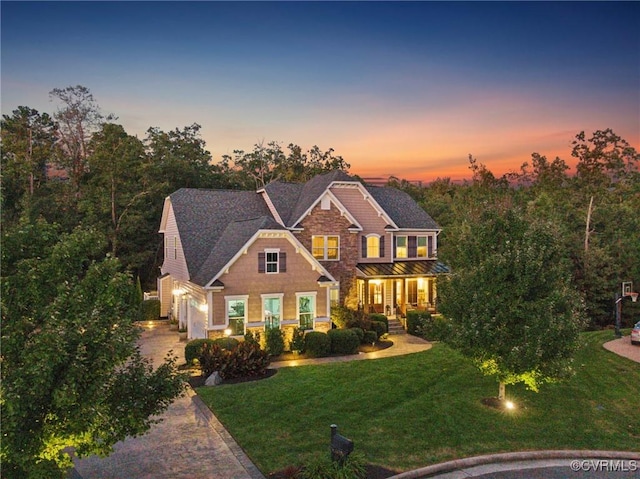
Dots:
pixel 623 347
pixel 189 442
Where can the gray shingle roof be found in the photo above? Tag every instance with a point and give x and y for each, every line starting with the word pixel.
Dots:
pixel 402 209
pixel 234 237
pixel 203 216
pixel 292 200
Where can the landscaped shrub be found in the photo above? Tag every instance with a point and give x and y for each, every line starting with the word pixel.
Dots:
pixel 379 327
pixel 434 328
pixel 297 340
pixel 322 467
pixel 193 349
pixel 250 337
pixel 245 360
pixel 227 343
pixel 380 317
pixel 341 316
pixel 417 320
pixel 360 319
pixel 212 358
pixel 275 341
pixel 370 337
pixel 317 344
pixel 150 310
pixel 343 341
pixel 359 332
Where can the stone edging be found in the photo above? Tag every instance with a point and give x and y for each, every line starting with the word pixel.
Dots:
pixel 511 457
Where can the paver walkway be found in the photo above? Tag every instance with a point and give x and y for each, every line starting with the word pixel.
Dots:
pixel 189 442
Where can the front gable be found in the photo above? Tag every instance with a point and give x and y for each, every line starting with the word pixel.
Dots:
pixel 249 264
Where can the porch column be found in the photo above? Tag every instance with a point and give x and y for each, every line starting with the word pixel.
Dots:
pixel 210 310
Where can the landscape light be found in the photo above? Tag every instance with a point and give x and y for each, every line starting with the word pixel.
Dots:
pixel 509 405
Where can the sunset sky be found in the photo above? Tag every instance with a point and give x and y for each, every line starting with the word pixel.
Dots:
pixel 404 89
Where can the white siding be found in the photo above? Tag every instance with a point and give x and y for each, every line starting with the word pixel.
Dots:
pixel 174 261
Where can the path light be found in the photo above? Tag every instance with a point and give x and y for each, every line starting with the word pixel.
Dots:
pixel 509 405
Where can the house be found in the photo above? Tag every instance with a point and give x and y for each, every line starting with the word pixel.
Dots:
pixel 282 256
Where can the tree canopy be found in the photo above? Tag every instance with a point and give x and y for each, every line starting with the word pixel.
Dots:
pixel 510 300
pixel 72 376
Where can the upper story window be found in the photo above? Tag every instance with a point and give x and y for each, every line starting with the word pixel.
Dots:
pixel 422 247
pixel 175 247
pixel 272 261
pixel 373 246
pixel 326 247
pixel 401 247
pixel 415 246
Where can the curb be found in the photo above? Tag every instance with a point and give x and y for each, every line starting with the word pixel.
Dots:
pixel 468 462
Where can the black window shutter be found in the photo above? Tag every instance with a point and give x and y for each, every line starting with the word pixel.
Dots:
pixel 364 246
pixel 382 246
pixel 282 257
pixel 430 246
pixel 395 247
pixel 412 246
pixel 261 262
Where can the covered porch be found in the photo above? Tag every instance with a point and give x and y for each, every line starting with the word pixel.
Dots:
pixel 393 289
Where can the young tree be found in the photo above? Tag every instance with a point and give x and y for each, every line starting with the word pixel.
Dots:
pixel 72 376
pixel 510 300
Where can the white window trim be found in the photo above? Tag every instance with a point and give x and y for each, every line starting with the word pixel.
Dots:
pixel 280 296
pixel 244 297
pixel 266 262
pixel 373 235
pixel 314 311
pixel 325 247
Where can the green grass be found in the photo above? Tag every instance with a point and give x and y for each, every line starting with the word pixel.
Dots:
pixel 411 411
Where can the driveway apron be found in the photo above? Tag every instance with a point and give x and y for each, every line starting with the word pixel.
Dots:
pixel 189 442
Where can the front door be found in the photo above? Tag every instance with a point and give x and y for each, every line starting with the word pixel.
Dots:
pixel 376 297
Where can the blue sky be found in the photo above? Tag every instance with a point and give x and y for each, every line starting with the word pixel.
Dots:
pixel 405 89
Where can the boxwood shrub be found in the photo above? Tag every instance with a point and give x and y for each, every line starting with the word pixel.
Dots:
pixel 370 337
pixel 380 317
pixel 317 344
pixel 344 341
pixel 274 338
pixel 379 327
pixel 359 332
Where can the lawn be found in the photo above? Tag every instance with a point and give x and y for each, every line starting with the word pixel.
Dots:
pixel 411 411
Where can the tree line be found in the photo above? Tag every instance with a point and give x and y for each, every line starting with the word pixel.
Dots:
pixel 595 213
pixel 79 166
